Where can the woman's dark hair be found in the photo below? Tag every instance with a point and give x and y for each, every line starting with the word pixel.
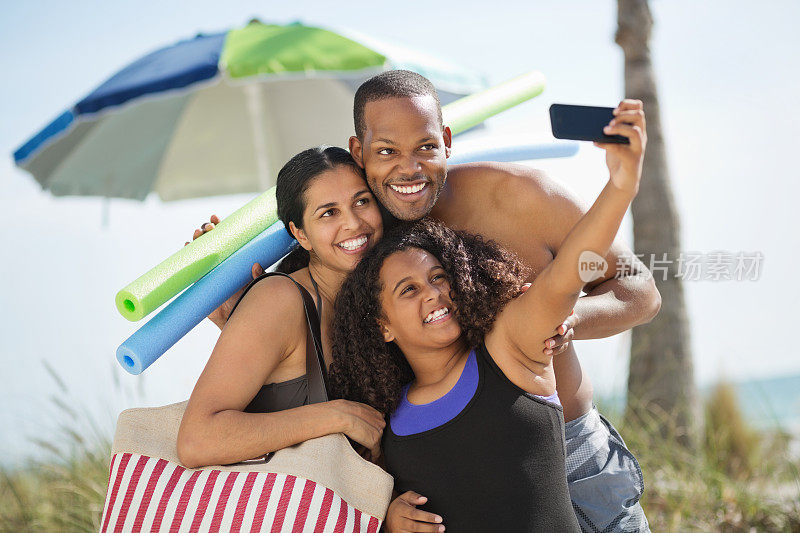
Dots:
pixel 293 181
pixel 483 277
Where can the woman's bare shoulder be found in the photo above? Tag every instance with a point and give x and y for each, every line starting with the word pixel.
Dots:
pixel 273 299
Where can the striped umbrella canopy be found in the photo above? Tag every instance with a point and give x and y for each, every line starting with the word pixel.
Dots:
pixel 219 114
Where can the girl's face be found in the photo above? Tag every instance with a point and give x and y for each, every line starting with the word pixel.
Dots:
pixel 341 220
pixel 416 302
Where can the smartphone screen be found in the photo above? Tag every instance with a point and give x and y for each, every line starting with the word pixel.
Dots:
pixel 583 123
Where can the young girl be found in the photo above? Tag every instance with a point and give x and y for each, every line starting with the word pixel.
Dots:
pixel 429 329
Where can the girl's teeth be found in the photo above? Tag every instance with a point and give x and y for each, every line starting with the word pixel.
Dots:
pixel 436 314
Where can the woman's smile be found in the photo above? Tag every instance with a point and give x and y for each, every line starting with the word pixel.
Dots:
pixel 355 245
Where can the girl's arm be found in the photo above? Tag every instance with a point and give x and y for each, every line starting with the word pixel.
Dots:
pixel 533 317
pixel 268 326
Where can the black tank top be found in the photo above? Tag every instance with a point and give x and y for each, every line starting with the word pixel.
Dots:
pixel 276 397
pixel 280 396
pixel 499 465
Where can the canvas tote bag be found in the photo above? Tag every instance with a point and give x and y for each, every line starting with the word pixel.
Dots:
pixel 321 485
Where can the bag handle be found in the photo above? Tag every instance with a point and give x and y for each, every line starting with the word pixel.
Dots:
pixel 316 370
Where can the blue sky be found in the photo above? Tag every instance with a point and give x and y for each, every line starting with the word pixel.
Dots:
pixel 728 80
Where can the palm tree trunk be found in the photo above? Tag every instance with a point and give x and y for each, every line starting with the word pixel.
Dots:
pixel 661 388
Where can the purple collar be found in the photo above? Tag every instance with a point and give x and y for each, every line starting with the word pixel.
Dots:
pixel 411 418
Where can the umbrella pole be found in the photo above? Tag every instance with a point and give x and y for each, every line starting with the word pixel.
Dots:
pixel 106 208
pixel 255 105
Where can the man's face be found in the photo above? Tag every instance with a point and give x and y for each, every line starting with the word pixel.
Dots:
pixel 404 154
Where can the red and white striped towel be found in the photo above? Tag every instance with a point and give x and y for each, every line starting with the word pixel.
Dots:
pixel 150 494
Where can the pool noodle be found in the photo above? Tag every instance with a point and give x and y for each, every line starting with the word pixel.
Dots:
pixel 170 324
pixel 195 260
pixel 468 112
pixel 516 152
pixel 165 280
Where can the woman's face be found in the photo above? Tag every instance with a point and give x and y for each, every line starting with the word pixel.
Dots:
pixel 341 220
pixel 415 296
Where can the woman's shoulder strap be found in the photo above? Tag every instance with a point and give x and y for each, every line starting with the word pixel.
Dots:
pixel 316 372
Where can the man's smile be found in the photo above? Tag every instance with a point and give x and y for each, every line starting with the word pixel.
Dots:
pixel 409 191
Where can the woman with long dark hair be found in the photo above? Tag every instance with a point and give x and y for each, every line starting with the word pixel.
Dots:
pixel 252 396
pixel 430 331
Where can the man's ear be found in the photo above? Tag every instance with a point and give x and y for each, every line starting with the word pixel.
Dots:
pixel 447 135
pixel 388 336
pixel 356 150
pixel 300 235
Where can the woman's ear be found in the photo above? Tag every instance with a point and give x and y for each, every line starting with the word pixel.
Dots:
pixel 300 235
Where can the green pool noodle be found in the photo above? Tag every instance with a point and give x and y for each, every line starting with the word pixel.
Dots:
pixel 192 262
pixel 468 112
pixel 158 285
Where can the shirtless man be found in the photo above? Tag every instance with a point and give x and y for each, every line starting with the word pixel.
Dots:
pixel 403 147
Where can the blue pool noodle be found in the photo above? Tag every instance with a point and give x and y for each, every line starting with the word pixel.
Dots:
pixel 167 327
pixel 517 152
pixel 178 318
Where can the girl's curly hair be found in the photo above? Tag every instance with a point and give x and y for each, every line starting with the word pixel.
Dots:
pixel 483 276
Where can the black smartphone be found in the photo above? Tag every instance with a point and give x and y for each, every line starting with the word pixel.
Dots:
pixel 583 123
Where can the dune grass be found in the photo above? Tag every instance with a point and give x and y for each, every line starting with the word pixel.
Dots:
pixel 62 485
pixel 63 489
pixel 739 480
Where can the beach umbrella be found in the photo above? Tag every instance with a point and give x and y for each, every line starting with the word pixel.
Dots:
pixel 219 113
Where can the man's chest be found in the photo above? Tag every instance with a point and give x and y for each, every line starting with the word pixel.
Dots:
pixel 517 235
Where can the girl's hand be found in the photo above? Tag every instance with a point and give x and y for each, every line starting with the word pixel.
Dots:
pixel 624 161
pixel 403 515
